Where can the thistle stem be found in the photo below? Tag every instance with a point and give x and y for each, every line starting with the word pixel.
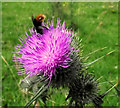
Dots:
pixel 40 91
pixel 70 104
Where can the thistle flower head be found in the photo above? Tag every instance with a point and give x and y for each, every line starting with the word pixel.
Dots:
pixel 83 89
pixel 42 54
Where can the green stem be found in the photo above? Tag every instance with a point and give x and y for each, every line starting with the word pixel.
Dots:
pixel 40 91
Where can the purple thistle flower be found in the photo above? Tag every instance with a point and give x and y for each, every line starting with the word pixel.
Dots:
pixel 42 54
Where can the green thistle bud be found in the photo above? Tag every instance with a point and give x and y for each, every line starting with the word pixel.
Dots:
pixel 83 89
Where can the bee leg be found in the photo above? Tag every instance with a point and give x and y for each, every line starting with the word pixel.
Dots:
pixel 34 29
pixel 41 31
pixel 32 18
pixel 45 27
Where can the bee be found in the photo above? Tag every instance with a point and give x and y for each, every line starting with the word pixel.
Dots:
pixel 37 22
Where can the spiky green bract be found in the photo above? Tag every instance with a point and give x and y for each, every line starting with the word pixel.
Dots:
pixel 97 101
pixel 64 76
pixel 83 89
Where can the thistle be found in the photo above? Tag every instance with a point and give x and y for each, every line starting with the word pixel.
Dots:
pixel 51 57
pixel 42 54
pixel 83 89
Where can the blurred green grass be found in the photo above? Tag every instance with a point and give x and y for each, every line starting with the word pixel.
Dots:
pixel 95 23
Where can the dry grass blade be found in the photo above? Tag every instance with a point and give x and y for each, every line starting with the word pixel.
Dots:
pixel 16 63
pixel 118 91
pixel 104 94
pixel 10 70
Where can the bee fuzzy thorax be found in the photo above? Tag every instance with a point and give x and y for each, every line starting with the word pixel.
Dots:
pixel 40 17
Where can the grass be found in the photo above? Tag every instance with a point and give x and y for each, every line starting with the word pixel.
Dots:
pixel 95 23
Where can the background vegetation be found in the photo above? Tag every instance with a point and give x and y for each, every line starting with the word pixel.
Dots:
pixel 95 23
